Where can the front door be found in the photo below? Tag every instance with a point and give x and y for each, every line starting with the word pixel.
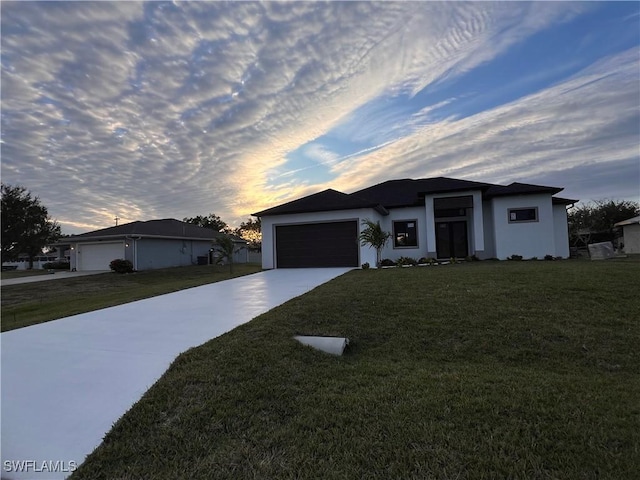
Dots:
pixel 451 239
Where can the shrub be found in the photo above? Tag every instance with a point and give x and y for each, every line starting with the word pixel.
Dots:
pixel 406 261
pixel 429 260
pixel 548 257
pixel 365 266
pixel 533 258
pixel 121 266
pixel 515 257
pixel 387 263
pixel 57 266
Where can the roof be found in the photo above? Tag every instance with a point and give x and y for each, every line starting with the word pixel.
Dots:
pixel 631 221
pixel 165 228
pixel 517 188
pixel 408 192
pixel 321 202
pixel 563 201
pixel 403 193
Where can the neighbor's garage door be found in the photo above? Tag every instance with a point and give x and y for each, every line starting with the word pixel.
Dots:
pixel 97 256
pixel 332 244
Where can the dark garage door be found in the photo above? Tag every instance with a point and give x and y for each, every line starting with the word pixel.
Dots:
pixel 332 244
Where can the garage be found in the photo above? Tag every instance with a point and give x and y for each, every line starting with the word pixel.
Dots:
pixel 97 256
pixel 333 244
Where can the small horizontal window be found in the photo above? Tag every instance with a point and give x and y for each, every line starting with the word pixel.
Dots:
pixel 405 234
pixel 523 215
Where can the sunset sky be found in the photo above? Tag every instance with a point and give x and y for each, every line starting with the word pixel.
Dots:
pixel 174 109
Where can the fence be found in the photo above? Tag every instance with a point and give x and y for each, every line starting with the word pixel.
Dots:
pixel 38 263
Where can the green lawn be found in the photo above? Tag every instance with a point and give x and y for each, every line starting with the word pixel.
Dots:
pixel 481 370
pixel 8 274
pixel 32 303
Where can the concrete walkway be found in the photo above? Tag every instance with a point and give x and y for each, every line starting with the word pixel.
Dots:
pixel 65 382
pixel 57 275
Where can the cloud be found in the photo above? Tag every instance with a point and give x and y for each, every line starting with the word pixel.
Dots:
pixel 590 119
pixel 159 109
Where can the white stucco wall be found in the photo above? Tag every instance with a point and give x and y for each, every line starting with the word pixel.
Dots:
pixel 422 215
pixel 367 255
pixel 631 235
pixel 477 242
pixel 529 239
pixel 416 214
pixel 560 231
pixel 489 232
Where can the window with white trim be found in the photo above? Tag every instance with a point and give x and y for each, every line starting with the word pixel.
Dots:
pixel 521 215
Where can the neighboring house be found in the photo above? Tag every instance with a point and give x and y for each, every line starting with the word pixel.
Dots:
pixel 433 217
pixel 630 234
pixel 148 245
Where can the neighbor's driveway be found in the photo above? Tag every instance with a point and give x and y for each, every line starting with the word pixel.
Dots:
pixel 55 275
pixel 65 382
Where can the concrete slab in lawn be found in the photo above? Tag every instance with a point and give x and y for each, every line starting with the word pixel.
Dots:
pixel 64 383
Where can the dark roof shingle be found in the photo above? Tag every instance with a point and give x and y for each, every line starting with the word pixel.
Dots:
pixel 400 193
pixel 408 192
pixel 563 201
pixel 326 200
pixel 517 188
pixel 168 228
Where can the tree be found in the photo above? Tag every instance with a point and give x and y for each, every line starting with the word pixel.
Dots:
pixel 225 249
pixel 597 218
pixel 210 221
pixel 26 226
pixel 251 231
pixel 375 237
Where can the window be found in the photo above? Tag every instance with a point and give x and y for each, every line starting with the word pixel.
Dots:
pixel 405 234
pixel 450 212
pixel 517 215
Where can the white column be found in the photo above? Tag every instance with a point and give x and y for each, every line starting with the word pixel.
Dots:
pixel 478 222
pixel 431 226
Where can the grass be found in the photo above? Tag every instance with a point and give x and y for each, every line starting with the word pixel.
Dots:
pixel 29 304
pixel 475 371
pixel 8 274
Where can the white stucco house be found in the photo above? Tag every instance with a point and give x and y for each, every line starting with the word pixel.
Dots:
pixel 148 245
pixel 630 234
pixel 433 217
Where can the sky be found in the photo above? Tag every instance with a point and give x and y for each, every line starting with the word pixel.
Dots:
pixel 149 110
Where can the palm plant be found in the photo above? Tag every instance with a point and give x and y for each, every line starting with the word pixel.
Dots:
pixel 373 235
pixel 225 249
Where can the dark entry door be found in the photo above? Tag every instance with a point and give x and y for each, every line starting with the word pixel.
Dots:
pixel 451 240
pixel 332 244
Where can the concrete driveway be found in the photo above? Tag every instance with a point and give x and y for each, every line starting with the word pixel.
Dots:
pixel 65 382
